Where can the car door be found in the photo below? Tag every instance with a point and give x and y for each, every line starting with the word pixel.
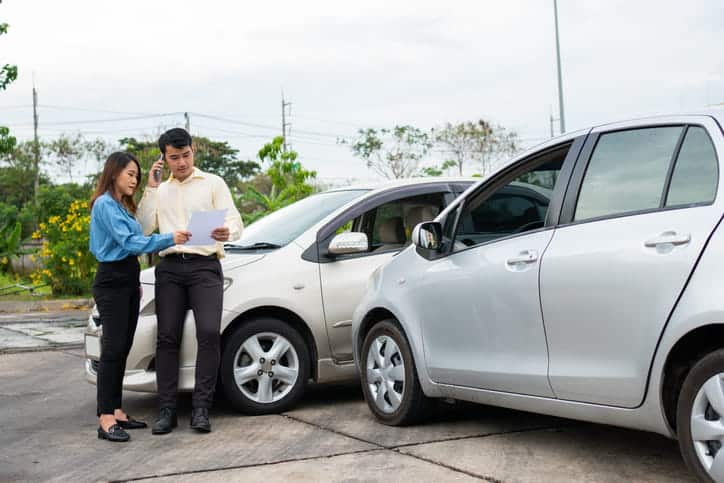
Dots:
pixel 388 222
pixel 640 207
pixel 481 321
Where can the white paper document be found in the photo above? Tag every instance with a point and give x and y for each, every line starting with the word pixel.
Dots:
pixel 202 223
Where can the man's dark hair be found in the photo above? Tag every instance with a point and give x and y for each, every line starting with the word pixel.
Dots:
pixel 176 137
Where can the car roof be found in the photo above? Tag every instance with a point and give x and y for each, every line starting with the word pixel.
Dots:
pixel 716 112
pixel 398 183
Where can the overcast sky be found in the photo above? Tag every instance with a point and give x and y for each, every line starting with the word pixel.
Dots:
pixel 350 65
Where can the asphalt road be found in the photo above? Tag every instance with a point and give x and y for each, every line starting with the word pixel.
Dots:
pixel 48 423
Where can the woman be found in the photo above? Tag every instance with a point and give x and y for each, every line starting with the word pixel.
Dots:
pixel 116 239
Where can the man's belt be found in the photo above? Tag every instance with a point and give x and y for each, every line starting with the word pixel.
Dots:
pixel 189 256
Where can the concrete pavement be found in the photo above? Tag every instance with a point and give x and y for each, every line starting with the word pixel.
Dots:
pixel 47 432
pixel 42 330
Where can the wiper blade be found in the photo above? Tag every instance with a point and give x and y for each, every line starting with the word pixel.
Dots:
pixel 253 246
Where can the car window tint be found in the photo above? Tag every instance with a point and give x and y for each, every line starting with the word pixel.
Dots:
pixel 520 205
pixel 627 172
pixel 695 174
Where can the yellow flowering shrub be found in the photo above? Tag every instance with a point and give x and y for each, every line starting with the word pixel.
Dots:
pixel 68 265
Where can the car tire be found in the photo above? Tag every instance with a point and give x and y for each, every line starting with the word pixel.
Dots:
pixel 703 384
pixel 393 401
pixel 264 366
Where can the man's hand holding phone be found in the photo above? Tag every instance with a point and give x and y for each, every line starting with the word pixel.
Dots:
pixel 154 177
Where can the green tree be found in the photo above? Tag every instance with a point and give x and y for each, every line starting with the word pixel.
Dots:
pixel 54 200
pixel 66 152
pixel 216 157
pixel 146 152
pixel 289 180
pixel 98 149
pixel 475 141
pixel 221 159
pixel 438 171
pixel 392 153
pixel 17 175
pixel 284 169
pixel 8 74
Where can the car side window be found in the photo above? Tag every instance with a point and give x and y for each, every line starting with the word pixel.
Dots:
pixel 518 206
pixel 627 172
pixel 389 226
pixel 695 176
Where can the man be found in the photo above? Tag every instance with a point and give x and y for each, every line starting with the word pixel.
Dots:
pixel 187 276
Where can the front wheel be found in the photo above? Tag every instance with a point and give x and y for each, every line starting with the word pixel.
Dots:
pixel 700 418
pixel 389 378
pixel 264 366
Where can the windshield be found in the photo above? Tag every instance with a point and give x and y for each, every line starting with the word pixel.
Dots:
pixel 283 226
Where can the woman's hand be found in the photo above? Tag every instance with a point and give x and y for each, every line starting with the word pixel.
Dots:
pixel 181 236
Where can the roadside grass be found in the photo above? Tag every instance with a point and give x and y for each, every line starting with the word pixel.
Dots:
pixel 10 291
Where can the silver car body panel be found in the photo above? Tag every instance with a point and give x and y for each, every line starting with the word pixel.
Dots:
pixel 601 350
pixel 484 327
pixel 342 281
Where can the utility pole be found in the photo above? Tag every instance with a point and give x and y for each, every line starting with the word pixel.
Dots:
pixel 36 146
pixel 285 124
pixel 188 122
pixel 562 117
pixel 552 125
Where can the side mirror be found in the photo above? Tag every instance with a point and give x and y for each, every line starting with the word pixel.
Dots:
pixel 350 242
pixel 427 235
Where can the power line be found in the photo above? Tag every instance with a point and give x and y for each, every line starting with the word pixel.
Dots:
pixel 82 109
pixel 95 121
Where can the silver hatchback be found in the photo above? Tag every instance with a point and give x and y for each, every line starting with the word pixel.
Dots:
pixel 585 279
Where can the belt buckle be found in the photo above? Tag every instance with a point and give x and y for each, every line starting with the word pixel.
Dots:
pixel 185 256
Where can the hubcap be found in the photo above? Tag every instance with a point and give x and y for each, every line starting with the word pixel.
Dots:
pixel 266 367
pixel 385 374
pixel 707 426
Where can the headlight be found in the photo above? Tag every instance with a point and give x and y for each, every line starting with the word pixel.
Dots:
pixel 94 323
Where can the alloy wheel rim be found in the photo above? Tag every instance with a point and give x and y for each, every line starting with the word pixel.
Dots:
pixel 707 426
pixel 385 374
pixel 266 367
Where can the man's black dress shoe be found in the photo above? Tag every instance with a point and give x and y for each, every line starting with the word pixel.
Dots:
pixel 131 423
pixel 165 422
pixel 115 433
pixel 200 420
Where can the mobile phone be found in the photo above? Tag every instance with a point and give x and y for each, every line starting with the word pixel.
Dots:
pixel 157 172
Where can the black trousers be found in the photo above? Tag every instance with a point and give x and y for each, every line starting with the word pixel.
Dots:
pixel 182 283
pixel 116 291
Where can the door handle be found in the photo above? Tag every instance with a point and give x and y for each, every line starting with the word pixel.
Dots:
pixel 526 256
pixel 668 238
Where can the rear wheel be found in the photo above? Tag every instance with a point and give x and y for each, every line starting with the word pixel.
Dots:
pixel 264 367
pixel 700 418
pixel 389 378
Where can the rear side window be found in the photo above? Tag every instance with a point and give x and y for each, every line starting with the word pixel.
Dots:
pixel 694 179
pixel 627 172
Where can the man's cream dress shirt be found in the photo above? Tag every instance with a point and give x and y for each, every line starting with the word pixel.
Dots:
pixel 168 208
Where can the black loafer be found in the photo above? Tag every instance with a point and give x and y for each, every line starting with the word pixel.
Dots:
pixel 131 423
pixel 115 433
pixel 165 422
pixel 200 420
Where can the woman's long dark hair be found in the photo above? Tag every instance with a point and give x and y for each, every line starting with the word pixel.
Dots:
pixel 116 163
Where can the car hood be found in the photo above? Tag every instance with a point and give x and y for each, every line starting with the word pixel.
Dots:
pixel 231 261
